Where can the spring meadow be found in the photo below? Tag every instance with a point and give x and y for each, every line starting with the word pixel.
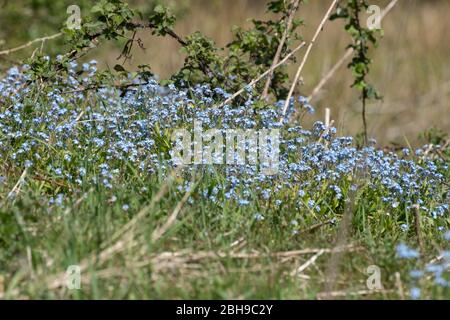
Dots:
pixel 226 150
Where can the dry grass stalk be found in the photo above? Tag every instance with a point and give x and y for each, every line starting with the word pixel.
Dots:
pixel 305 57
pixel 295 5
pixel 344 58
pixel 341 238
pixel 144 211
pixel 399 285
pixel 327 117
pixel 418 228
pixel 337 294
pixel 158 233
pixel 308 263
pixel 26 45
pixel 316 226
pixel 19 183
pixel 174 260
pixel 125 237
pixel 261 76
pixel 2 286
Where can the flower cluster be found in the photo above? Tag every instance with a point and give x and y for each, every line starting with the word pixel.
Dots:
pixel 437 269
pixel 80 136
pixel 75 135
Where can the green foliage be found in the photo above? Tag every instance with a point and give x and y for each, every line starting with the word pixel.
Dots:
pixel 231 67
pixel 162 19
pixel 249 54
pixel 26 20
pixel 362 39
pixel 435 136
pixel 110 19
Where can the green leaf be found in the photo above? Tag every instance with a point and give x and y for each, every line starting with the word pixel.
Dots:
pixel 98 8
pixel 119 68
pixel 159 9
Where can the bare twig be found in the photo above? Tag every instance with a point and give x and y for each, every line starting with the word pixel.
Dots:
pixel 26 45
pixel 294 8
pixel 316 226
pixel 336 294
pixel 158 233
pixel 344 58
pixel 330 74
pixel 305 58
pixel 16 187
pixel 175 259
pixel 261 76
pixel 169 31
pixel 310 261
pixel 201 255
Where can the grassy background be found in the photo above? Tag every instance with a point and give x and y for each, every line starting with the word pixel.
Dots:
pixel 198 255
pixel 208 252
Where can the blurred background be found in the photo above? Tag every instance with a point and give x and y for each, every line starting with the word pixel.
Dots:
pixel 410 69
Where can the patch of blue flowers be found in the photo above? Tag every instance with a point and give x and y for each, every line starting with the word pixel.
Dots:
pixel 62 132
pixel 76 135
pixel 438 269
